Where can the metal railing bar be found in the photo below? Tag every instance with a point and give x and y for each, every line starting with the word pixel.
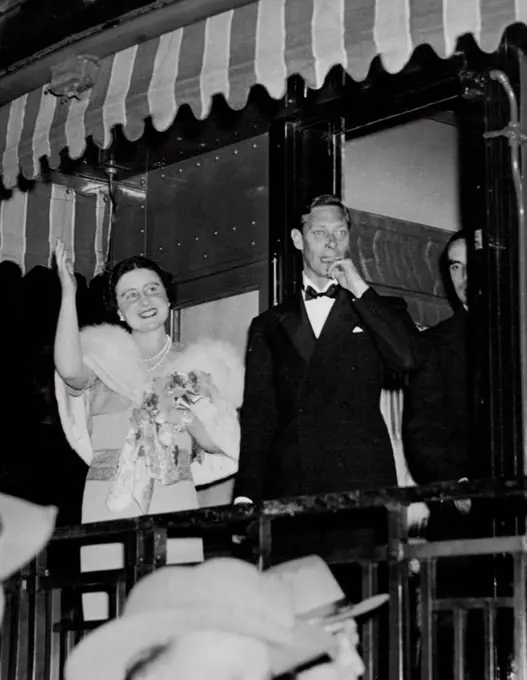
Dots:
pixel 84 580
pixel 6 642
pixel 489 623
pixel 520 615
pixel 393 497
pixel 428 571
pixel 226 516
pixel 398 589
pixel 120 596
pixel 23 656
pixel 452 603
pixel 55 660
pixel 471 546
pixel 160 547
pixel 369 580
pixel 460 625
pixel 40 635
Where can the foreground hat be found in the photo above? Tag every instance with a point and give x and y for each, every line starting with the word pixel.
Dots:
pixel 25 529
pixel 317 596
pixel 222 594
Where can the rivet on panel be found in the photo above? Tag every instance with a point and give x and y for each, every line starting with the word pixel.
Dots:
pixel 198 164
pixel 253 243
pixel 178 243
pixel 234 228
pixel 255 146
pixel 142 182
pixel 180 169
pixel 235 152
pixel 253 222
pixel 160 248
pixel 141 253
pixel 215 233
pixel 216 158
pixel 196 238
pixel 205 256
pixel 141 231
pixel 142 206
pixel 162 175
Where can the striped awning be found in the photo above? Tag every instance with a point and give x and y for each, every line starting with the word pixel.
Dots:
pixel 261 42
pixel 31 222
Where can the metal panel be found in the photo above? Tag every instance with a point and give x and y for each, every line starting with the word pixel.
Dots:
pixel 210 213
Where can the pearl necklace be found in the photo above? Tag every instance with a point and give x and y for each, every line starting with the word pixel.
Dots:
pixel 160 356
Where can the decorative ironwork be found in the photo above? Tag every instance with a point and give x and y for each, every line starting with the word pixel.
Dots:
pixel 473 84
pixel 73 78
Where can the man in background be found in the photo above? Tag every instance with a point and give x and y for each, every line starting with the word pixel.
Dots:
pixel 436 418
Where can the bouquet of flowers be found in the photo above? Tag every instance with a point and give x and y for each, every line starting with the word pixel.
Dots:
pixel 158 447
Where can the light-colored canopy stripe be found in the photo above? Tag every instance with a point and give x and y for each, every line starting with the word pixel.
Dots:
pixel 263 42
pixel 32 220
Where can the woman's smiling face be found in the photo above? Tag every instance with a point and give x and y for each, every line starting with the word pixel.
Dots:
pixel 142 300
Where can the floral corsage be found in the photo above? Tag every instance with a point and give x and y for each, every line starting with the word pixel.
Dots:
pixel 158 447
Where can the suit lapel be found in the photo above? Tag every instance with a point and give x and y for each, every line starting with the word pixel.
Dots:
pixel 294 319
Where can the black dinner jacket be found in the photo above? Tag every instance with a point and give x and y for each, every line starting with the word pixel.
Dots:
pixel 310 419
pixel 436 420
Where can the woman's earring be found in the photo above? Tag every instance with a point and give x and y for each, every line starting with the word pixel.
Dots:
pixel 121 317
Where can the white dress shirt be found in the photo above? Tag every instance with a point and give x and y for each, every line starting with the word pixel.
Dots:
pixel 317 309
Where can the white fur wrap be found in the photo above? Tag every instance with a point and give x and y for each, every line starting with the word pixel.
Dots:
pixel 112 355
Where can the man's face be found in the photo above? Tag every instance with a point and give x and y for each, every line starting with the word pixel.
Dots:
pixel 457 266
pixel 323 239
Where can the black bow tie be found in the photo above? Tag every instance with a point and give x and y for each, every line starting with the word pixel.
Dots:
pixel 331 292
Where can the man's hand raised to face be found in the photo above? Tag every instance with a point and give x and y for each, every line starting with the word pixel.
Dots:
pixel 346 273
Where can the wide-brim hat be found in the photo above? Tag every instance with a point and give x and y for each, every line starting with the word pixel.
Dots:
pixel 317 595
pixel 25 528
pixel 222 594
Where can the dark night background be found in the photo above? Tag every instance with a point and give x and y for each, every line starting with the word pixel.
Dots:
pixel 36 462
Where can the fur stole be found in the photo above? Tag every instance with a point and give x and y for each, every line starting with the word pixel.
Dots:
pixel 110 352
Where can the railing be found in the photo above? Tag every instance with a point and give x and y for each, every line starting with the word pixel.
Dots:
pixel 43 618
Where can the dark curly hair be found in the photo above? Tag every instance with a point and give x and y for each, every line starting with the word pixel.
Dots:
pixel 128 265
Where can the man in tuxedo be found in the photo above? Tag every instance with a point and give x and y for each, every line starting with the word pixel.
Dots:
pixel 315 366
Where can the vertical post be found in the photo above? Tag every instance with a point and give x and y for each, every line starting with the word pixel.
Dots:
pixel 428 572
pixel 283 142
pixel 304 161
pixel 520 615
pixel 42 624
pixel 370 629
pixel 398 588
pixel 496 298
pixel 265 544
pixel 494 301
pixel 522 250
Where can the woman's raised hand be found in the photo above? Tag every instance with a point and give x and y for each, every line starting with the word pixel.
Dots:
pixel 65 268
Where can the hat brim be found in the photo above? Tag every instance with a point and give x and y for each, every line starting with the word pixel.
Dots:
pixel 109 651
pixel 25 530
pixel 347 611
